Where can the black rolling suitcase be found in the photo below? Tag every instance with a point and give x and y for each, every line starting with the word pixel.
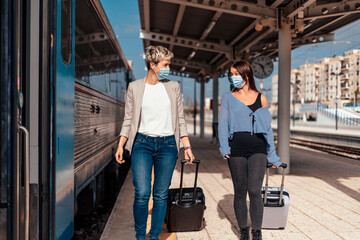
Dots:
pixel 185 210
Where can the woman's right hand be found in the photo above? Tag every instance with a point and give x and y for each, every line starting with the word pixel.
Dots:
pixel 119 155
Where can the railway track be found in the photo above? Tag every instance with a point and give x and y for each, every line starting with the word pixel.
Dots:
pixel 339 150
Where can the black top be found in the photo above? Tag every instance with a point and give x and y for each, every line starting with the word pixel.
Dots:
pixel 243 144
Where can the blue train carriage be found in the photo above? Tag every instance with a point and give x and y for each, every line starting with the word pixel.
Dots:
pixel 63 83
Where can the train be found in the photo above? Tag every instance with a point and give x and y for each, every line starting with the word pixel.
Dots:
pixel 63 83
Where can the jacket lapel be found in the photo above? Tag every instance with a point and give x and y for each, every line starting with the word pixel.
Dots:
pixel 138 101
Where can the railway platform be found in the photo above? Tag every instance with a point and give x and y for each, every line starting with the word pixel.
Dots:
pixel 324 198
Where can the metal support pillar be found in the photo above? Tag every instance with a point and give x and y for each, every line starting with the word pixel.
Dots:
pixel 283 126
pixel 202 107
pixel 215 106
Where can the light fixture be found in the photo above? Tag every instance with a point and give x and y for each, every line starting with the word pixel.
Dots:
pixel 192 54
pixel 258 26
pixel 301 28
pixel 210 27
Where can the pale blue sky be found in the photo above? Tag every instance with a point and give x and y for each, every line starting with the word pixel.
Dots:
pixel 125 20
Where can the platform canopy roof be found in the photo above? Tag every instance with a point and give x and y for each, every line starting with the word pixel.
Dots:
pixel 206 36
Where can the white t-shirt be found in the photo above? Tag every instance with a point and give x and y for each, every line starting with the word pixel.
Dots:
pixel 156 112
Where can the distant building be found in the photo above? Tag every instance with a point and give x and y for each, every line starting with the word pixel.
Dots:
pixel 274 89
pixel 297 90
pixel 330 78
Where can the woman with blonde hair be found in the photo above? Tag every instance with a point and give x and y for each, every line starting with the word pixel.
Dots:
pixel 152 129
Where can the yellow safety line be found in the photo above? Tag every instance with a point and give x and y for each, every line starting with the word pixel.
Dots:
pixel 165 235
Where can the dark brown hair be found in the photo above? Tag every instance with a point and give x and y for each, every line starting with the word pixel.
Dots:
pixel 245 70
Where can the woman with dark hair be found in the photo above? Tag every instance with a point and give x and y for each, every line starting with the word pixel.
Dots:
pixel 247 141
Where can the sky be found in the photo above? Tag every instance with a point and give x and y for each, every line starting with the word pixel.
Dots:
pixel 125 20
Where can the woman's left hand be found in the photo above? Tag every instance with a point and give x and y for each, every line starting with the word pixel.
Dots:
pixel 189 155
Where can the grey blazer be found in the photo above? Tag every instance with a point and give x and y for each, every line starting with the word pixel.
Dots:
pixel 133 103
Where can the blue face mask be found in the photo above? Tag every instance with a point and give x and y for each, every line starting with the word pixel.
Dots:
pixel 164 73
pixel 237 81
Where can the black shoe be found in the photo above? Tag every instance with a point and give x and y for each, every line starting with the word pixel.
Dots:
pixel 244 233
pixel 256 234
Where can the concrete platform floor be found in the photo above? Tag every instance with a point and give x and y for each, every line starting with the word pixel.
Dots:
pixel 324 198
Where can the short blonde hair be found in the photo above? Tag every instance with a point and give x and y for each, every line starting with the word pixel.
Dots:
pixel 157 53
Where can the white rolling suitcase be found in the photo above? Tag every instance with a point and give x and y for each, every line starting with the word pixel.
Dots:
pixel 276 203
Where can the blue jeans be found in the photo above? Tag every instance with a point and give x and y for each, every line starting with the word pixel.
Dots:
pixel 162 153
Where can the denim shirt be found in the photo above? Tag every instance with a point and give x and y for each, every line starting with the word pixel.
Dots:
pixel 235 116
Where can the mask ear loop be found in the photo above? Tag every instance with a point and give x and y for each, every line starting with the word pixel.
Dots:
pixel 153 69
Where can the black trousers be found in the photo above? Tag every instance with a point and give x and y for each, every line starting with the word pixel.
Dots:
pixel 247 175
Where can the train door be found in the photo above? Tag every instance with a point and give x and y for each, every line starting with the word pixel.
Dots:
pixel 8 134
pixel 25 102
pixel 64 117
pixel 15 144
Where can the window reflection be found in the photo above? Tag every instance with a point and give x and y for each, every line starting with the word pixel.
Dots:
pixel 98 64
pixel 66 31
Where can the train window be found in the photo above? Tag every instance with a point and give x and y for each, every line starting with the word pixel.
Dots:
pixel 66 31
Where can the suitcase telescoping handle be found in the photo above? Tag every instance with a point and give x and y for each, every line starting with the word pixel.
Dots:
pixel 181 178
pixel 268 166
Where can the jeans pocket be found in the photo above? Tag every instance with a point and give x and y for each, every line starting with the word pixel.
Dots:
pixel 171 142
pixel 140 140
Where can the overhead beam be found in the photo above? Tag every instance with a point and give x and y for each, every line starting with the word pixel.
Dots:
pixel 107 59
pixel 325 25
pixel 185 42
pixel 96 52
pixel 208 29
pixel 177 23
pixel 220 66
pixel 211 25
pixel 147 18
pixel 244 32
pixel 296 42
pixel 247 45
pixel 178 73
pixel 332 10
pixel 147 14
pixel 216 58
pixel 271 53
pixel 236 8
pixel 190 64
pixel 79 31
pixel 93 37
pixel 301 41
pixel 294 7
pixel 276 3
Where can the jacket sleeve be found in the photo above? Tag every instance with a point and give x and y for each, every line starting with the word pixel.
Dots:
pixel 271 151
pixel 182 124
pixel 125 128
pixel 223 130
